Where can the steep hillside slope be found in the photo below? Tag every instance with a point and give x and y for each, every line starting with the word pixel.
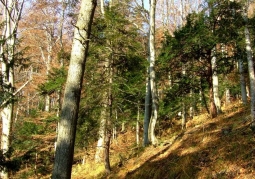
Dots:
pixel 209 148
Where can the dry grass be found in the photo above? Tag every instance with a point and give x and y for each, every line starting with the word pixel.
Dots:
pixel 218 148
pixel 223 147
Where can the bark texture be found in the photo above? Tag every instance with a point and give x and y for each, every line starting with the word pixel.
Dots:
pixel 215 81
pixel 213 109
pixel 251 73
pixel 242 82
pixel 147 113
pixel 11 12
pixel 250 66
pixel 154 94
pixel 69 112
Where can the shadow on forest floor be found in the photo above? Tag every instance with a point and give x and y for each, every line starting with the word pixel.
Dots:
pixel 223 147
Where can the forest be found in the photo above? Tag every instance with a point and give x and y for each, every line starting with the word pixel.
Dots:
pixel 127 89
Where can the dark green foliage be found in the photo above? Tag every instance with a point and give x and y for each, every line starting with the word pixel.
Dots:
pixel 55 82
pixel 190 49
pixel 87 124
pixel 116 40
pixel 33 144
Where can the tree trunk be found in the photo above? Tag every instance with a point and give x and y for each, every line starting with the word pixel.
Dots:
pixel 101 134
pixel 250 66
pixel 213 109
pixel 106 114
pixel 11 12
pixel 154 94
pixel 70 108
pixel 248 91
pixel 147 113
pixel 251 74
pixel 202 98
pixel 192 104
pixel 107 151
pixel 138 126
pixel 47 103
pixel 215 82
pixel 183 116
pixel 242 82
pixel 228 100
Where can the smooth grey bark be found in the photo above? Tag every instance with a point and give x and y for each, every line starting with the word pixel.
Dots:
pixel 192 104
pixel 184 116
pixel 70 108
pixel 154 93
pixel 47 62
pixel 251 73
pixel 101 133
pixel 103 145
pixel 11 13
pixel 100 149
pixel 109 120
pixel 215 82
pixel 250 66
pixel 147 113
pixel 242 82
pixel 107 150
pixel 248 91
pixel 137 125
pixel 183 103
pixel 102 7
pixel 228 100
pixel 213 109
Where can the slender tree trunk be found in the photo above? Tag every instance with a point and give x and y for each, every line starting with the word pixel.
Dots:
pixel 102 7
pixel 248 91
pixel 106 114
pixel 47 103
pixel 183 99
pixel 114 128
pixel 147 113
pixel 123 127
pixel 228 100
pixel 192 105
pixel 250 66
pixel 101 134
pixel 242 82
pixel 203 99
pixel 137 125
pixel 213 109
pixel 154 115
pixel 70 108
pixel 109 121
pixel 11 12
pixel 100 150
pixel 107 150
pixel 251 74
pixel 184 116
pixel 215 82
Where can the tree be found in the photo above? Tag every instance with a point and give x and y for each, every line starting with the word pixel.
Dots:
pixel 250 65
pixel 70 108
pixel 117 55
pixel 153 87
pixel 194 43
pixel 242 80
pixel 11 11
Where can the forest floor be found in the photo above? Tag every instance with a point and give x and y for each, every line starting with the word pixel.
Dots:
pixel 218 148
pixel 223 147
